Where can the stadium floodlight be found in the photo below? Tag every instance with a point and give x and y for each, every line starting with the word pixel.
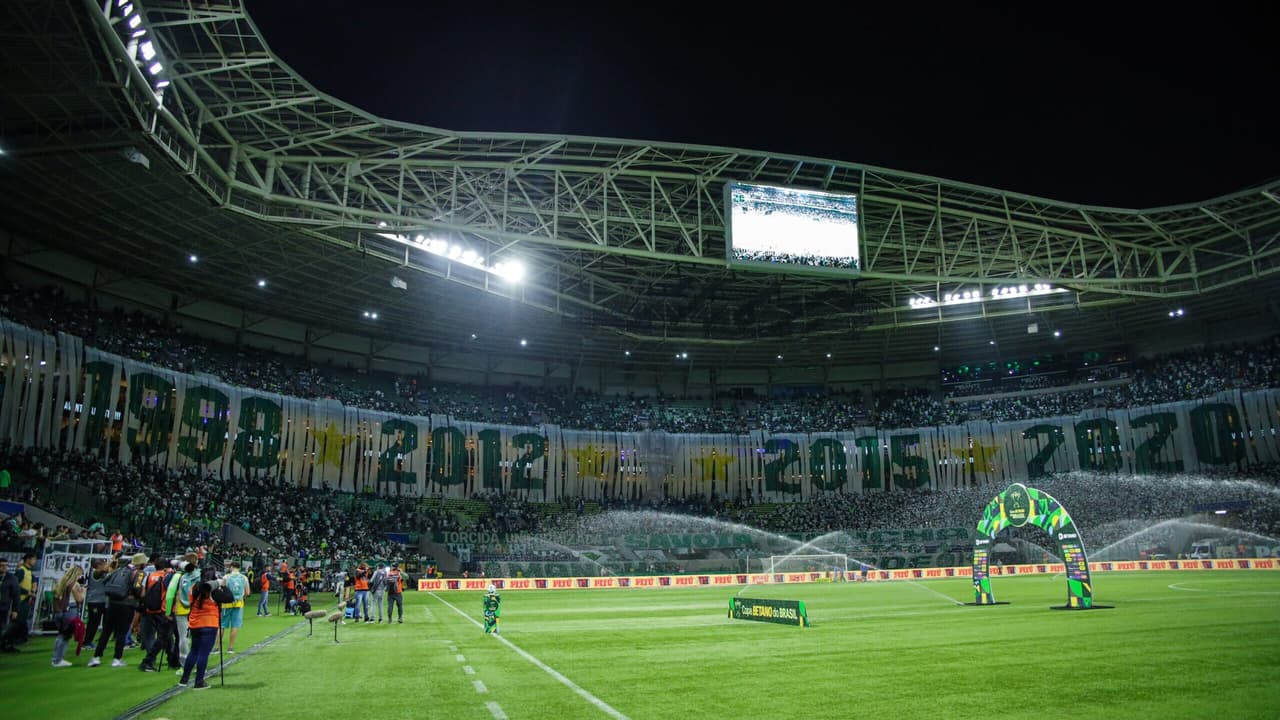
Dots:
pixel 155 68
pixel 148 49
pixel 936 348
pixel 523 342
pixel 514 271
pixel 1057 333
pixel 134 21
pixel 828 356
pixel 626 353
pixel 192 259
pixel 373 316
pixel 455 251
pixel 262 283
pixel 162 84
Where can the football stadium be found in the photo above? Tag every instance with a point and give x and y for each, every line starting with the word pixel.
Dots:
pixel 508 425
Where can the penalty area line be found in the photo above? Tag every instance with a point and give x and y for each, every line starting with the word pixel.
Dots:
pixel 581 692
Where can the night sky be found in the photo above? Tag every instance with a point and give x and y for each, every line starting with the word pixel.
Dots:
pixel 1096 104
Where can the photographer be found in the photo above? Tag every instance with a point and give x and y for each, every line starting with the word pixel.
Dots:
pixel 204 618
pixel 395 592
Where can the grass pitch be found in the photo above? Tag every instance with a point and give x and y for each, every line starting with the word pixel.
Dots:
pixel 1177 645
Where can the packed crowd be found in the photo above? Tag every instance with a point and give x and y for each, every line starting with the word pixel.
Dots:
pixel 1181 376
pixel 155 507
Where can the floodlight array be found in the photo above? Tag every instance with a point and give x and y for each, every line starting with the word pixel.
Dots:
pixel 972 295
pixel 509 269
pixel 140 44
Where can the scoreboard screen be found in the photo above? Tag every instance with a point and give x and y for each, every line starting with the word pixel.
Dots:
pixel 791 230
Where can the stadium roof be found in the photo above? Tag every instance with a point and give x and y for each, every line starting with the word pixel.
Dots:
pixel 215 148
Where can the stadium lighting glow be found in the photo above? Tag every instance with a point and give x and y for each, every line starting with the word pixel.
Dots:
pixel 193 259
pixel 779 357
pixel 512 270
pixel 961 297
pixel 262 283
pixel 828 356
pixel 383 223
pixel 134 21
pixel 1057 333
pixel 138 33
pixel 627 353
pixel 509 269
pixel 148 50
pixel 162 84
pixel 155 68
pixel 373 316
pixel 1176 313
pixel 473 336
pixel 366 313
pixel 523 342
pixel 935 348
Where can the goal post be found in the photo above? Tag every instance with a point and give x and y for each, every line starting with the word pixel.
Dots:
pixel 835 564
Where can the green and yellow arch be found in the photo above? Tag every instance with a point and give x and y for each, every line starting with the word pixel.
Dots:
pixel 1020 505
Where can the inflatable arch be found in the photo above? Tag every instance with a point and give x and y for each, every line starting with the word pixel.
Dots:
pixel 1019 505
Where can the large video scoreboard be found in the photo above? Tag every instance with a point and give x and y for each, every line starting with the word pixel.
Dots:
pixel 791 230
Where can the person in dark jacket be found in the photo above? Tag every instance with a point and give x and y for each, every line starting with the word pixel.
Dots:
pixel 9 599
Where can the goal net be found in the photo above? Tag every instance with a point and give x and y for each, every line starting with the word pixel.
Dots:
pixel 835 564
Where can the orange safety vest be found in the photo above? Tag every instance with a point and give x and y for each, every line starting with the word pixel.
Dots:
pixel 117 543
pixel 208 614
pixel 393 577
pixel 265 582
pixel 362 580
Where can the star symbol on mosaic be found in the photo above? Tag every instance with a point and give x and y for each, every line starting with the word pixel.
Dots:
pixel 590 460
pixel 329 444
pixel 713 465
pixel 982 456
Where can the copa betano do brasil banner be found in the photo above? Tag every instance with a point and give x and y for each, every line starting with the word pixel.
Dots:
pixel 60 394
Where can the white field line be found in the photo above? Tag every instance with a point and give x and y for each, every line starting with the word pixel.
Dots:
pixel 480 688
pixel 1177 586
pixel 496 710
pixel 468 670
pixel 603 706
pixel 460 658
